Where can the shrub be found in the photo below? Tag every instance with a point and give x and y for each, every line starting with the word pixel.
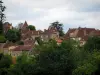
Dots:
pixel 20 43
pixel 2 39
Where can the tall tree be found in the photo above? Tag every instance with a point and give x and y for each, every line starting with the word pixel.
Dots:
pixel 2 16
pixel 31 27
pixel 13 35
pixel 93 43
pixel 58 26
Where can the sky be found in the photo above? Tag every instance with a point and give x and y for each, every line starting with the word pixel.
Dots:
pixel 40 13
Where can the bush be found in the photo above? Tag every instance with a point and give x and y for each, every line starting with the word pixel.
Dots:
pixel 2 39
pixel 20 43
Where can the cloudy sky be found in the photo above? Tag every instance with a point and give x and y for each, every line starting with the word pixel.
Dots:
pixel 72 13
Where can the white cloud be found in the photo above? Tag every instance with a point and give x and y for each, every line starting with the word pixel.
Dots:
pixel 72 13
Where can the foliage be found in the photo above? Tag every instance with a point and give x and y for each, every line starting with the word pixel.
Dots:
pixel 52 59
pixel 57 59
pixel 93 43
pixel 2 16
pixel 38 39
pixel 58 26
pixel 2 39
pixel 13 35
pixel 1 27
pixel 23 66
pixel 20 43
pixel 31 27
pixel 5 62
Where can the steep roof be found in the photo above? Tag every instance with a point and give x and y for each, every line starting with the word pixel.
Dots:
pixel 68 33
pixel 29 42
pixel 25 25
pixel 84 33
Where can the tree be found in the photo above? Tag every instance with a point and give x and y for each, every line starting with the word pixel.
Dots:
pixel 13 35
pixel 31 27
pixel 58 26
pixel 24 65
pixel 93 43
pixel 38 39
pixel 57 59
pixel 5 63
pixel 2 16
pixel 2 39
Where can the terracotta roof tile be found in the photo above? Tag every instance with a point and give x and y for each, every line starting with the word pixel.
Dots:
pixel 82 32
pixel 25 25
pixel 9 44
pixel 67 35
pixel 59 41
pixel 28 42
pixel 23 48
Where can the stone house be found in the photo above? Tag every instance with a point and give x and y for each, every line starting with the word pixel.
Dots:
pixel 7 26
pixel 18 50
pixel 50 33
pixel 81 34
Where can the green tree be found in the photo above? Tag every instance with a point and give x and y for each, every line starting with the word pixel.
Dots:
pixel 2 16
pixel 38 39
pixel 24 65
pixel 5 63
pixel 13 35
pixel 58 26
pixel 2 39
pixel 57 59
pixel 31 27
pixel 93 43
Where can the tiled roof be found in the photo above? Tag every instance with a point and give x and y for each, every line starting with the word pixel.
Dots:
pixel 24 31
pixel 28 42
pixel 84 33
pixel 23 48
pixel 25 25
pixel 80 33
pixel 7 45
pixel 59 41
pixel 95 33
pixel 50 31
pixel 68 33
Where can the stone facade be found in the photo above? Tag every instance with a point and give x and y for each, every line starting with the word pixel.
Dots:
pixel 81 34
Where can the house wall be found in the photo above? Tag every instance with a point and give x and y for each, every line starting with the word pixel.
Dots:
pixel 34 36
pixel 54 36
pixel 45 37
pixel 16 53
pixel 6 51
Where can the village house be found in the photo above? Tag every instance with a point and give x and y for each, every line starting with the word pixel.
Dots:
pixel 50 33
pixel 28 37
pixel 15 49
pixel 7 26
pixel 81 34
